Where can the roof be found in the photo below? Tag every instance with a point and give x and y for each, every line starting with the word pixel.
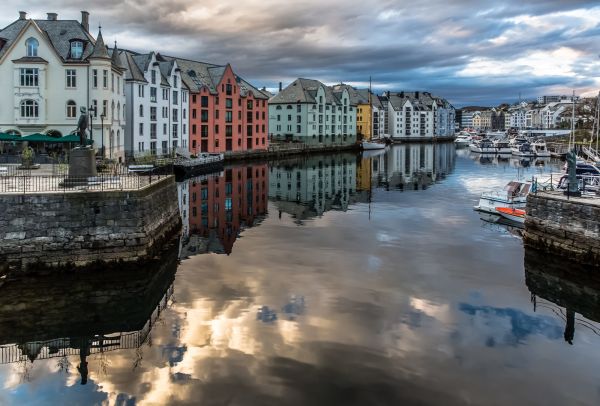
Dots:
pixel 100 50
pixel 59 33
pixel 305 90
pixel 198 75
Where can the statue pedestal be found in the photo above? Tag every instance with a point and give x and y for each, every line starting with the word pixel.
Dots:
pixel 82 165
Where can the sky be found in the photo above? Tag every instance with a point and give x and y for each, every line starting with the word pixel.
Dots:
pixel 472 52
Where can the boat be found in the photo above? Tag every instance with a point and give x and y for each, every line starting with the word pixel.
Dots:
pixel 518 140
pixel 367 145
pixel 512 214
pixel 502 147
pixel 483 146
pixel 524 149
pixel 540 149
pixel 463 140
pixel 202 163
pixel 514 195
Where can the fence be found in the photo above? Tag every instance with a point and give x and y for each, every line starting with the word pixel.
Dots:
pixel 26 183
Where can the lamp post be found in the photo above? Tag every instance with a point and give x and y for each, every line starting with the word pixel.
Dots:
pixel 102 126
pixel 91 110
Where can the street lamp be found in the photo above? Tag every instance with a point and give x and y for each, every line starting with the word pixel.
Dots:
pixel 102 116
pixel 91 110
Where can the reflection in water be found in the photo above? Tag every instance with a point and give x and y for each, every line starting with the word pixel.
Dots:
pixel 307 187
pixel 412 166
pixel 220 205
pixel 84 313
pixel 565 289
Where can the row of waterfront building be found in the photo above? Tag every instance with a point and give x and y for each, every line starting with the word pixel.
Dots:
pixel 548 112
pixel 151 103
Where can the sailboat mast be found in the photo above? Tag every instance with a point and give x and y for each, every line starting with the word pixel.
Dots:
pixel 572 136
pixel 597 120
pixel 371 124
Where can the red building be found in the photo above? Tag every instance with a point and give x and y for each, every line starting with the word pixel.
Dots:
pixel 221 205
pixel 226 113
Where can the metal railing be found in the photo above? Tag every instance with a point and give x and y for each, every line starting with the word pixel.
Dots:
pixel 28 183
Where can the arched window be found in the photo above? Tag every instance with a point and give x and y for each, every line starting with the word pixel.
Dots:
pixel 278 108
pixel 118 138
pixel 289 107
pixel 112 110
pixel 32 45
pixel 71 109
pixel 141 111
pixel 118 111
pixel 29 109
pixel 123 112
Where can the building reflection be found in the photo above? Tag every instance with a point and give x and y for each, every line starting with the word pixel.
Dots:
pixel 307 187
pixel 218 206
pixel 409 166
pixel 566 289
pixel 84 313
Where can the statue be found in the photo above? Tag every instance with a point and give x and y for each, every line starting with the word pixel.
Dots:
pixel 573 186
pixel 82 126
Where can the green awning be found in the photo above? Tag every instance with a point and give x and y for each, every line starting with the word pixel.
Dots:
pixel 9 137
pixel 37 137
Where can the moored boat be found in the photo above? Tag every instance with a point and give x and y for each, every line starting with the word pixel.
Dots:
pixel 463 140
pixel 502 147
pixel 540 149
pixel 514 195
pixel 483 146
pixel 194 166
pixel 512 214
pixel 523 149
pixel 367 145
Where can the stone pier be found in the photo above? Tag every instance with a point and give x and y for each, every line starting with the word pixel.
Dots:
pixel 64 230
pixel 567 227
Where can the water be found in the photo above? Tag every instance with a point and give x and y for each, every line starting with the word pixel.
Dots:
pixel 319 281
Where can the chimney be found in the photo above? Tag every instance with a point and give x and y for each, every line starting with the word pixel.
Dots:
pixel 417 95
pixel 402 94
pixel 22 15
pixel 85 20
pixel 52 16
pixel 280 86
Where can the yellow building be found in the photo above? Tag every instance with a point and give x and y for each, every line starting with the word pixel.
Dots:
pixel 364 121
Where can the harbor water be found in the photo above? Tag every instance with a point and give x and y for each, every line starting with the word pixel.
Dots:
pixel 321 280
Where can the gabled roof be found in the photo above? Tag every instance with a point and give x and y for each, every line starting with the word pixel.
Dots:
pixel 198 75
pixel 59 34
pixel 305 91
pixel 132 71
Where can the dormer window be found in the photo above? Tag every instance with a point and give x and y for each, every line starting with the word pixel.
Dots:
pixel 32 47
pixel 76 49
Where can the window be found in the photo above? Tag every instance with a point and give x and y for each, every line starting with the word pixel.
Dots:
pixel 204 116
pixel 140 91
pixel 141 110
pixel 250 104
pixel 76 49
pixel 228 102
pixel 153 76
pixel 29 77
pixel 32 45
pixel 153 113
pixel 104 107
pixel 95 107
pixel 29 109
pixel 194 129
pixel 71 109
pixel 204 131
pixel 228 116
pixel 175 97
pixel 228 90
pixel 204 101
pixel 174 132
pixel 153 131
pixel 95 78
pixel 164 128
pixel 112 82
pixel 175 116
pixel 175 82
pixel 153 94
pixel 228 131
pixel 71 78
pixel 105 79
pixel 217 129
pixel 141 128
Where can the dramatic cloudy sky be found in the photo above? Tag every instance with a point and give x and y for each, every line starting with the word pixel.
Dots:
pixel 471 51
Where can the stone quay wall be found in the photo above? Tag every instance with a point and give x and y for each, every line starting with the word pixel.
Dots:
pixel 64 230
pixel 565 227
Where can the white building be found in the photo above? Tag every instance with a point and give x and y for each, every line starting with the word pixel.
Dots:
pixel 408 117
pixel 49 70
pixel 158 105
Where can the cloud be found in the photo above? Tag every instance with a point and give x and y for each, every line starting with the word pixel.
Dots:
pixel 447 48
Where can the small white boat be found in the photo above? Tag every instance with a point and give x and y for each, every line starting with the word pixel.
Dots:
pixel 502 147
pixel 540 149
pixel 368 145
pixel 463 140
pixel 524 149
pixel 514 195
pixel 483 147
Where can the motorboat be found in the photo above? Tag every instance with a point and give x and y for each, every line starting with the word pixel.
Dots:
pixel 369 145
pixel 463 140
pixel 524 149
pixel 518 140
pixel 502 147
pixel 540 149
pixel 514 195
pixel 512 214
pixel 483 146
